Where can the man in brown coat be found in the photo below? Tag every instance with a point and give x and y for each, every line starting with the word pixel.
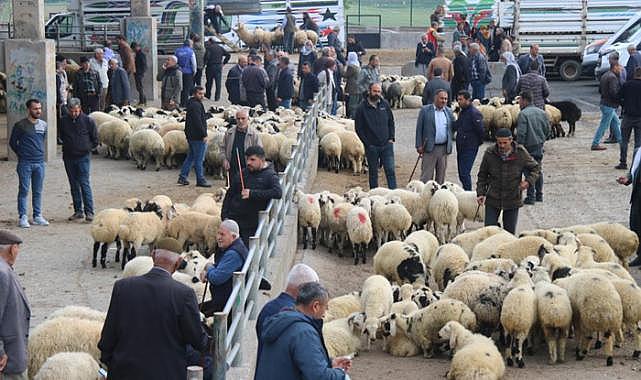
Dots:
pixel 239 137
pixel 500 180
pixel 126 55
pixel 443 63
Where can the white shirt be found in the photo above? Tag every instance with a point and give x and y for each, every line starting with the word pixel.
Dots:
pixel 101 69
pixel 440 122
pixel 635 164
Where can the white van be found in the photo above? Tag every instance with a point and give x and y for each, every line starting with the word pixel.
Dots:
pixel 629 34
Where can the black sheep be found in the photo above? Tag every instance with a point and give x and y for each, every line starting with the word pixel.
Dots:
pixel 570 112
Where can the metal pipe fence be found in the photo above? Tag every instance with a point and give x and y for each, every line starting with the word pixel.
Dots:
pixel 242 303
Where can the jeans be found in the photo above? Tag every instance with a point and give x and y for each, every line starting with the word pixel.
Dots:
pixel 334 107
pixel 510 218
pixel 421 68
pixel 253 99
pixel 537 190
pixel 78 172
pixel 140 88
pixel 629 124
pixel 478 89
pixel 381 155
pixel 288 42
pixel 286 103
pixel 213 74
pixel 465 159
pixel 609 119
pixel 188 85
pixel 30 174
pixel 195 158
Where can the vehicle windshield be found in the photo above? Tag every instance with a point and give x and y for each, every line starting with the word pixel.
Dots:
pixel 627 35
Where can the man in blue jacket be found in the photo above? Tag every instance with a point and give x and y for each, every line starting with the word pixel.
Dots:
pixel 298 275
pixel 27 140
pixel 293 346
pixel 469 136
pixel 434 135
pixel 229 258
pixel 284 84
pixel 187 64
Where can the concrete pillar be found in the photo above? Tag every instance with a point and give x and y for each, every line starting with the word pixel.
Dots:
pixel 29 61
pixel 140 8
pixel 143 31
pixel 196 26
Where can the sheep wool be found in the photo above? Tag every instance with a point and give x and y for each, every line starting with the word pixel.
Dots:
pixel 341 337
pixel 518 315
pixel 359 231
pixel 554 314
pixel 400 263
pixel 450 261
pixel 468 240
pixel 343 306
pixel 376 302
pixel 69 366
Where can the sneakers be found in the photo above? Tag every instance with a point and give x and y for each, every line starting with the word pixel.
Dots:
pixel 23 222
pixel 75 216
pixel 598 147
pixel 203 184
pixel 38 220
pixel 183 182
pixel 539 198
pixel 89 217
pixel 528 201
pixel 609 141
pixel 621 166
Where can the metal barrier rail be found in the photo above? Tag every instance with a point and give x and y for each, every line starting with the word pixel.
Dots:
pixel 242 303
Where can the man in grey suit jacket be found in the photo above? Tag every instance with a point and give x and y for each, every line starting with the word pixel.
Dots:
pixel 434 136
pixel 14 313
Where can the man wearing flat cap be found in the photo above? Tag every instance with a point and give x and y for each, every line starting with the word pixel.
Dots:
pixel 14 313
pixel 501 180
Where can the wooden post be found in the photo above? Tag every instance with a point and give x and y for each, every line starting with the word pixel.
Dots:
pixel 239 306
pixel 517 27
pixel 219 351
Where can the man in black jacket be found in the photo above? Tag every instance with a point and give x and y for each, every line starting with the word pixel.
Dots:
pixel 462 77
pixel 196 133
pixel 424 54
pixel 469 136
pixel 631 103
pixel 284 84
pixel 255 81
pixel 375 127
pixel 151 318
pixel 141 67
pixel 79 137
pixel 215 58
pixel 245 199
pixel 309 86
pixel 233 84
pixel 87 86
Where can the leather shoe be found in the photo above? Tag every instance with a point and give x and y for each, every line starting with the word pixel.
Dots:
pixel 598 147
pixel 528 201
pixel 608 141
pixel 183 182
pixel 636 262
pixel 621 166
pixel 203 184
pixel 539 198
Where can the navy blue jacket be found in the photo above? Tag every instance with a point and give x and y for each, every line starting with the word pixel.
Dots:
pixel 293 349
pixel 28 140
pixel 275 306
pixel 374 125
pixel 119 85
pixel 220 276
pixel 309 86
pixel 232 84
pixel 469 128
pixel 79 136
pixel 285 84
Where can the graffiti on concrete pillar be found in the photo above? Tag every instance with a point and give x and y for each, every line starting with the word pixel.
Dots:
pixel 138 31
pixel 24 80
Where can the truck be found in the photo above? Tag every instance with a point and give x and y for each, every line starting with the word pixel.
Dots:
pixel 564 30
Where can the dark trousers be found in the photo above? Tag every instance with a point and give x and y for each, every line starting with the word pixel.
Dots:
pixel 635 216
pixel 213 74
pixel 90 104
pixel 465 159
pixel 271 99
pixel 456 87
pixel 253 99
pixel 478 89
pixel 78 173
pixel 188 85
pixel 288 42
pixel 629 124
pixel 140 88
pixel 377 156
pixel 537 190
pixel 510 218
pixel 198 77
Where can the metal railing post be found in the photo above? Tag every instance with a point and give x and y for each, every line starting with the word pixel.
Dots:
pixel 219 352
pixel 239 307
pixel 194 372
pixel 254 267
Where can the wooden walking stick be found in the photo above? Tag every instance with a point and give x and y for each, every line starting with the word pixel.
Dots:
pixel 417 160
pixel 240 171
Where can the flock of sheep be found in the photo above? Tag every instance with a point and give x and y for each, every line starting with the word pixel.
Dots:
pixel 258 37
pixel 487 291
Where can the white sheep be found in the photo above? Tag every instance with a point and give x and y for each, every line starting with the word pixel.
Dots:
pixel 141 228
pixel 450 261
pixel 115 134
pixel 390 219
pixel 342 337
pixel 503 267
pixel 443 211
pixel 133 204
pixel 401 263
pixel 597 308
pixel 206 204
pixel 526 246
pixel 331 147
pixel 486 249
pixel 518 316
pixel 194 227
pixel 476 356
pixel 554 314
pixel 415 203
pixel 603 251
pixel 412 101
pixel 337 223
pixel 426 243
pixel 343 306
pixel 621 239
pixel 137 266
pixel 175 143
pixel 630 294
pixel 104 231
pixel 424 296
pixel 468 209
pixel 69 366
pixel 548 235
pixel 415 186
pixel 376 302
pixel 62 335
pixel 309 215
pixel 81 312
pixel 585 260
pixel 144 145
pixel 424 325
pixel 397 343
pixel 359 230
pixel 468 240
pixel 558 266
pixel 352 150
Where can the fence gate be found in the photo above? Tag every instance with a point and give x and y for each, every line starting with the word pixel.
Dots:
pixel 366 29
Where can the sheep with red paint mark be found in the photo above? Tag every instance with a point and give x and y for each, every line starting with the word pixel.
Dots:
pixel 359 230
pixel 309 215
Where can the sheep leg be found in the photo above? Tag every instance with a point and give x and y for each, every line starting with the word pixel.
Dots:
pixel 355 253
pixel 103 255
pixel 637 340
pixel 520 338
pixel 508 349
pixel 340 242
pixel 94 261
pixel 609 347
pixel 550 338
pixel 314 231
pixel 619 339
pixel 598 344
pixel 305 237
pixel 118 248
pixel 364 252
pixel 125 255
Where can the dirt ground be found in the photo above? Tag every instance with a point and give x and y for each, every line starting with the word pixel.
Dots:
pixel 579 187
